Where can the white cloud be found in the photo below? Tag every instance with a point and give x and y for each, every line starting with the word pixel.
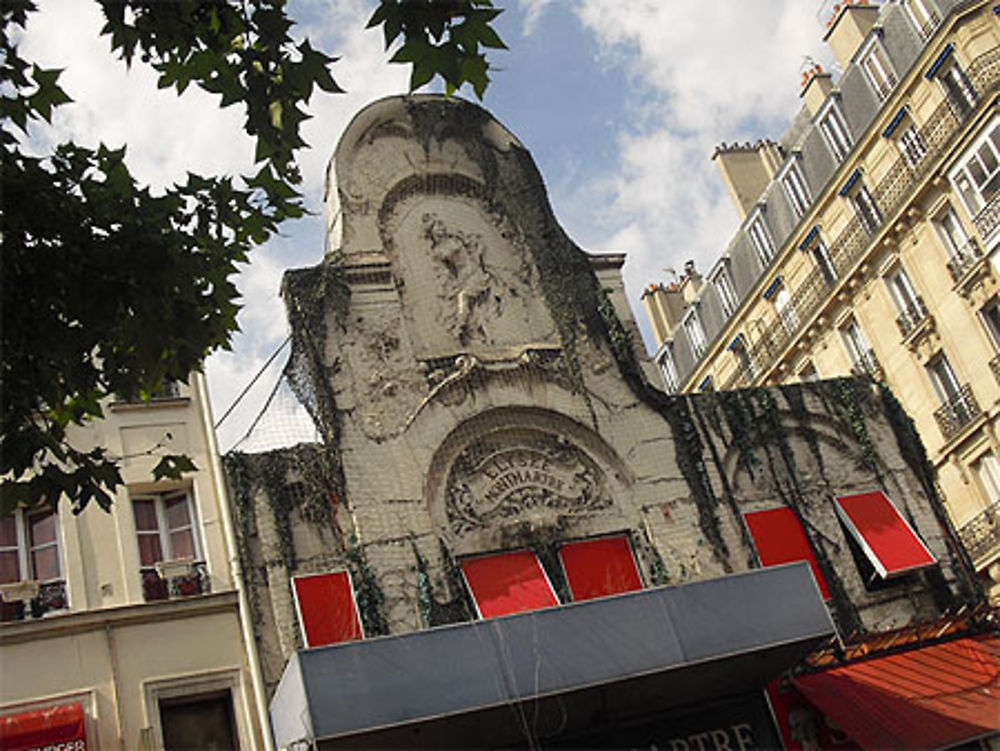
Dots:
pixel 701 73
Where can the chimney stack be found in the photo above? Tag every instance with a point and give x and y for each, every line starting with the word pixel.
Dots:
pixel 848 27
pixel 746 170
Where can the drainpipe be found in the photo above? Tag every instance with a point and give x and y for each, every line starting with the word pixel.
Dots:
pixel 115 686
pixel 256 677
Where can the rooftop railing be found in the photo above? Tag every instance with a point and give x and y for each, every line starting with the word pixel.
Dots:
pixel 981 534
pixel 891 195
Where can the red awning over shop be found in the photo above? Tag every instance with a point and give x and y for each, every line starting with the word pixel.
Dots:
pixel 41 728
pixel 930 697
pixel 505 583
pixel 600 567
pixel 883 534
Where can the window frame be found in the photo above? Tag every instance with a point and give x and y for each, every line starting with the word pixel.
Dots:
pixel 945 216
pixel 991 323
pixel 833 127
pixel 986 469
pixel 569 578
pixel 785 310
pixel 356 612
pixel 24 547
pixel 944 378
pixel 924 28
pixel 725 290
pixel 796 189
pixel 956 86
pixel 865 207
pixel 691 322
pixel 865 542
pixel 989 138
pixel 904 295
pixel 760 237
pixel 668 367
pixel 745 362
pixel 164 532
pixel 874 52
pixel 853 336
pixel 472 592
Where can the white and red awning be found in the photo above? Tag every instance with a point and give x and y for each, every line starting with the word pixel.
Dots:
pixel 60 727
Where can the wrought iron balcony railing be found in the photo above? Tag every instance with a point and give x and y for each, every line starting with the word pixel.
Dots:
pixel 912 316
pixel 981 534
pixel 961 409
pixel 51 596
pixel 868 364
pixel 160 585
pixel 891 195
pixel 963 259
pixel 987 220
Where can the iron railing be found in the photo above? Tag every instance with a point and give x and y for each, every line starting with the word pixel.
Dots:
pixel 956 413
pixel 963 259
pixel 914 314
pixel 981 534
pixel 194 582
pixel 987 220
pixel 51 597
pixel 891 195
pixel 868 364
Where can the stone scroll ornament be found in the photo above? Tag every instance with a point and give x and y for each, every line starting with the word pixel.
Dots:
pixel 504 478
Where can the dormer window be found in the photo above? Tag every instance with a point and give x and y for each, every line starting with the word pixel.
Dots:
pixel 795 189
pixel 695 332
pixel 760 237
pixel 907 137
pixel 668 368
pixel 878 68
pixel 977 178
pixel 923 17
pixel 723 285
pixel 834 129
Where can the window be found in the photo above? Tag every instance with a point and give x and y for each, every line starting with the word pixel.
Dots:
pixel 724 289
pixel 865 208
pixel 878 69
pixel 328 613
pixel 860 352
pixel 923 17
pixel 888 542
pixel 761 239
pixel 977 180
pixel 505 583
pixel 911 144
pixel 786 311
pixel 795 189
pixel 987 470
pixel 911 307
pixel 808 372
pixel 952 232
pixel 741 351
pixel 957 89
pixel 29 547
pixel 834 130
pixel 944 379
pixel 990 316
pixel 824 261
pixel 29 552
pixel 695 333
pixel 779 538
pixel 707 384
pixel 201 721
pixel 165 531
pixel 598 568
pixel 668 368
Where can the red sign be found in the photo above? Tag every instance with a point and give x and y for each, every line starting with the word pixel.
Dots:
pixel 59 728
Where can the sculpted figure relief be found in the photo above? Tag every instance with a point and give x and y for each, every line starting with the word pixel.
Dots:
pixel 464 277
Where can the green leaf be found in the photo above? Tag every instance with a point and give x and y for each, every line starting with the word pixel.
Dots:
pixel 173 466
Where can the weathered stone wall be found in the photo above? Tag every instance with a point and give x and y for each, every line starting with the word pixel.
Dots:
pixel 475 379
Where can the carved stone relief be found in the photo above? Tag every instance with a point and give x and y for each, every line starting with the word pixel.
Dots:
pixel 520 475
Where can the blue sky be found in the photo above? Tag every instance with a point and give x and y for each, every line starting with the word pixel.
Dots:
pixel 620 102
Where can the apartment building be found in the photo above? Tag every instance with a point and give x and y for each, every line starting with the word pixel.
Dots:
pixel 122 629
pixel 868 244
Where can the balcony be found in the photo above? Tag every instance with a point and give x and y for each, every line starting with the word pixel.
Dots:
pixel 867 364
pixel 963 260
pixel 987 220
pixel 981 534
pixel 955 414
pixel 48 597
pixel 173 579
pixel 912 317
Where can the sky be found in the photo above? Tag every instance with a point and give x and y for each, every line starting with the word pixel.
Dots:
pixel 620 103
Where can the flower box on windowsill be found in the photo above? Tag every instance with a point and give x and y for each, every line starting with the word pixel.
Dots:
pixel 173 569
pixel 21 591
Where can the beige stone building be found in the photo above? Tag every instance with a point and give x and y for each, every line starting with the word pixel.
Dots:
pixel 868 244
pixel 509 538
pixel 122 629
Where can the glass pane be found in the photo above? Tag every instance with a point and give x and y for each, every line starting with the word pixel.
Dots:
pixel 42 528
pixel 977 172
pixel 987 157
pixel 8 532
pixel 45 563
pixel 145 515
pixel 182 544
pixel 149 549
pixel 10 570
pixel 177 511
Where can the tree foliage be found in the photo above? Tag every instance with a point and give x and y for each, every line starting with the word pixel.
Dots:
pixel 112 289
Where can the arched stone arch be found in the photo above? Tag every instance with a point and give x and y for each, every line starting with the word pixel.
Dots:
pixel 509 476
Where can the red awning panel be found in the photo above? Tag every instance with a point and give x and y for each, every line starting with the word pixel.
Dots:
pixel 600 567
pixel 508 583
pixel 327 611
pixel 779 539
pixel 930 697
pixel 883 534
pixel 40 728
